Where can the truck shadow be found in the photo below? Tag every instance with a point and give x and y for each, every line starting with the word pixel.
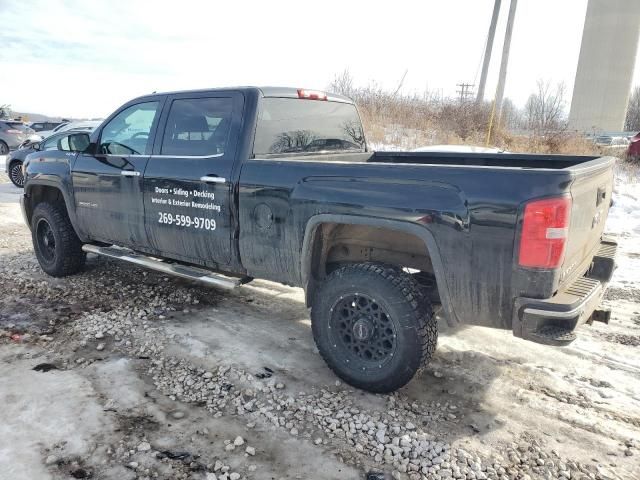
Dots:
pixel 267 325
pixel 450 393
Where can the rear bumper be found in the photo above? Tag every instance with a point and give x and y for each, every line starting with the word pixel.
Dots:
pixel 552 321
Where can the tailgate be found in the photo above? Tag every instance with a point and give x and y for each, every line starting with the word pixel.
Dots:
pixel 591 197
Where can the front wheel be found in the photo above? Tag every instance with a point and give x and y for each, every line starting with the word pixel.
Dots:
pixel 15 174
pixel 58 248
pixel 373 326
pixel 4 148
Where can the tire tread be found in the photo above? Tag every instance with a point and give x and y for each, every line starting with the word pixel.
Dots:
pixel 414 296
pixel 73 258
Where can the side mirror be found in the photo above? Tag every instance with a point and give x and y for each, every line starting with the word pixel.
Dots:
pixel 78 142
pixel 35 145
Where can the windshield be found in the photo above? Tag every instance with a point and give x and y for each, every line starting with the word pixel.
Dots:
pixel 291 125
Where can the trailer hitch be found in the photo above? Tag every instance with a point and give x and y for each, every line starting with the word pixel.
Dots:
pixel 601 316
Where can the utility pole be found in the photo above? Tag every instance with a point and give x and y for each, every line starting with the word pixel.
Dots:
pixel 465 91
pixel 487 51
pixel 502 77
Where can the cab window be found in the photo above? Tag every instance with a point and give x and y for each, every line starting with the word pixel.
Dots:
pixel 128 132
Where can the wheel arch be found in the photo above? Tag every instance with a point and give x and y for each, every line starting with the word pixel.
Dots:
pixel 40 190
pixel 315 250
pixel 14 160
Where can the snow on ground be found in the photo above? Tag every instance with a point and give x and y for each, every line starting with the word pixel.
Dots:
pixel 624 222
pixel 38 412
pixel 157 377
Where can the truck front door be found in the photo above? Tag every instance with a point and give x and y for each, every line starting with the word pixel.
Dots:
pixel 107 183
pixel 187 182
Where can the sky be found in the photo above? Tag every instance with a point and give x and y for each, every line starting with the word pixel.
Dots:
pixel 80 58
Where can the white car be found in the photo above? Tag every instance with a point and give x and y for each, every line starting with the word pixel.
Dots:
pixel 459 149
pixel 86 125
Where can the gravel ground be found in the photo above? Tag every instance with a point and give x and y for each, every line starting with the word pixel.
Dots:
pixel 123 373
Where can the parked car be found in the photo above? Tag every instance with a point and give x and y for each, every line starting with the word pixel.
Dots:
pixel 45 126
pixel 633 152
pixel 222 186
pixel 12 134
pixel 612 143
pixel 86 125
pixel 15 159
pixel 46 133
pixel 459 149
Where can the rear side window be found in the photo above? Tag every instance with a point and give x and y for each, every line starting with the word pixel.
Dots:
pixel 197 127
pixel 291 125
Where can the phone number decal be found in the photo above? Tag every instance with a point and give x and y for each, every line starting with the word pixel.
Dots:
pixel 186 221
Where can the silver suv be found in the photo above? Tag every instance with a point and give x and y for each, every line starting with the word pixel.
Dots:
pixel 12 134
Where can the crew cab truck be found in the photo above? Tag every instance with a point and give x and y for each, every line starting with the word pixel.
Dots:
pixel 226 185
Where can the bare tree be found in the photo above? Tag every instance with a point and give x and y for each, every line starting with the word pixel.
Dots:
pixel 354 131
pixel 544 110
pixel 343 84
pixel 511 116
pixel 632 122
pixel 295 141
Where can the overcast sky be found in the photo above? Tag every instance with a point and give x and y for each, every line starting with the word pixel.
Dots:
pixel 85 58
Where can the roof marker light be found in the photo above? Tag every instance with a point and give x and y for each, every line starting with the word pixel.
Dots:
pixel 311 94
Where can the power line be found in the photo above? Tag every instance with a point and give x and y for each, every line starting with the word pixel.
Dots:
pixel 465 91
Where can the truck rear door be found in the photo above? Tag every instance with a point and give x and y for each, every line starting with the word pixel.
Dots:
pixel 187 182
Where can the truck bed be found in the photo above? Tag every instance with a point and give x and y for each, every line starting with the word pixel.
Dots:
pixel 471 203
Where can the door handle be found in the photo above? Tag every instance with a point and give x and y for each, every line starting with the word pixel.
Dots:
pixel 129 173
pixel 209 179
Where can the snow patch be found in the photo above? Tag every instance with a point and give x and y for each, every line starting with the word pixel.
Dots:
pixel 40 410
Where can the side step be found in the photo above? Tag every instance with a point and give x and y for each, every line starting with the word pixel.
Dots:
pixel 552 335
pixel 176 269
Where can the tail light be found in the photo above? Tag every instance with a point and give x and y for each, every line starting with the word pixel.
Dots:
pixel 544 232
pixel 311 94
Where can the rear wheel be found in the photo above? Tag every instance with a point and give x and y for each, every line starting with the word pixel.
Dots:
pixel 57 247
pixel 15 173
pixel 373 326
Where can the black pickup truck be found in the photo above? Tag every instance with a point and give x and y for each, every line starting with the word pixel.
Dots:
pixel 226 185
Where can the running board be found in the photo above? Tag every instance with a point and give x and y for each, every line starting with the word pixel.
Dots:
pixel 176 269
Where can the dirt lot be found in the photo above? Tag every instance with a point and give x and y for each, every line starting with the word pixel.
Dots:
pixel 121 373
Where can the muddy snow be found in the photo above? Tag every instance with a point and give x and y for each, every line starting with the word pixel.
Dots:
pixel 121 373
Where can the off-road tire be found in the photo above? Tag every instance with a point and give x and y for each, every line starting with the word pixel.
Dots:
pixel 401 298
pixel 63 257
pixel 16 176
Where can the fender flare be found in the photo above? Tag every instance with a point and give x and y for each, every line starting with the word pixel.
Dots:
pixel 52 181
pixel 422 233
